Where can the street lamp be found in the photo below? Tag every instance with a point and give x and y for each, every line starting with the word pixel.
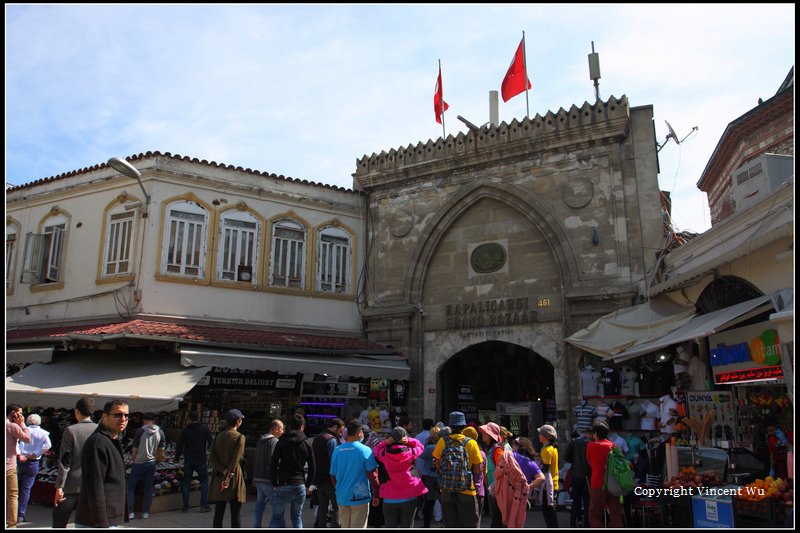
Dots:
pixel 123 167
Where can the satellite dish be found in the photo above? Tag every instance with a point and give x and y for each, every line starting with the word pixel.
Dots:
pixel 672 133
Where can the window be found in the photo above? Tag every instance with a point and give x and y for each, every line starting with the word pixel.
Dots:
pixel 119 241
pixel 238 246
pixel 184 250
pixel 11 249
pixel 44 252
pixel 288 255
pixel 333 261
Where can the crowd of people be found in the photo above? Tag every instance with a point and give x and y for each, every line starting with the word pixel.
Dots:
pixel 451 473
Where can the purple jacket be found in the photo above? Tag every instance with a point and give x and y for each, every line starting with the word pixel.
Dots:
pixel 398 459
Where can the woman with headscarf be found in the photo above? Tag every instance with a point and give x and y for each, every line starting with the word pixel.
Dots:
pixel 400 493
pixel 492 439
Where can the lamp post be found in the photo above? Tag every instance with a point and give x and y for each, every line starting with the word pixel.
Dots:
pixel 123 167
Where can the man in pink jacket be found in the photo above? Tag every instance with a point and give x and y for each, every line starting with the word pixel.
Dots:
pixel 400 493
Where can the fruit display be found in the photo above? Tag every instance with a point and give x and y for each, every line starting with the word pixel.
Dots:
pixel 688 477
pixel 775 489
pixel 771 399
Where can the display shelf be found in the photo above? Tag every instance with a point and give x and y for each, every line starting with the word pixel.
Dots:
pixel 622 397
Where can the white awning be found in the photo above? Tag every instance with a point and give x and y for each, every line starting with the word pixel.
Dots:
pixel 149 382
pixel 38 354
pixel 632 326
pixel 701 326
pixel 364 366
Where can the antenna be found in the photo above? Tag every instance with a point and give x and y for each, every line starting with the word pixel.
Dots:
pixel 594 71
pixel 672 135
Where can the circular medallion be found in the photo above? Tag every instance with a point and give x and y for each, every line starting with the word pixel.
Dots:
pixel 401 223
pixel 488 258
pixel 578 192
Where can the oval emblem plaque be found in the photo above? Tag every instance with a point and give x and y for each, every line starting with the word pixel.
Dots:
pixel 488 258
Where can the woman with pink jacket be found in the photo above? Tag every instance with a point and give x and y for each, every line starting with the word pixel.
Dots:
pixel 397 454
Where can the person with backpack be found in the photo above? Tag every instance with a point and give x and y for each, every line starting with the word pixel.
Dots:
pixel 458 460
pixel 597 453
pixel 402 490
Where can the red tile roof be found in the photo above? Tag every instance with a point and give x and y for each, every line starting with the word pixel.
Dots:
pixel 147 155
pixel 254 338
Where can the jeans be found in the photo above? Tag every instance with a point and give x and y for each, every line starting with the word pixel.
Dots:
pixel 294 495
pixel 189 467
pixel 264 496
pixel 26 472
pixel 325 494
pixel 580 502
pixel 399 514
pixel 236 514
pixel 143 472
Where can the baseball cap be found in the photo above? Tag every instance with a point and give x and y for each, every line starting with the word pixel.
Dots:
pixel 233 415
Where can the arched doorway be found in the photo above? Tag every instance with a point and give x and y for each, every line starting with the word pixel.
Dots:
pixel 499 381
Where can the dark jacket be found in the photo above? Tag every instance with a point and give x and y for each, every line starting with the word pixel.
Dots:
pixel 193 442
pixel 226 457
pixel 322 457
pixel 264 449
pixel 103 498
pixel 69 455
pixel 291 453
pixel 576 454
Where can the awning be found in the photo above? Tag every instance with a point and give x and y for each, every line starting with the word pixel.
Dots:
pixel 364 366
pixel 149 382
pixel 701 326
pixel 629 327
pixel 39 354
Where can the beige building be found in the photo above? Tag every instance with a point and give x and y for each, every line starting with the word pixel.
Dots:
pixel 486 249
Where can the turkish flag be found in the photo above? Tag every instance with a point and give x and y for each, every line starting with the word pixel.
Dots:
pixel 516 77
pixel 439 105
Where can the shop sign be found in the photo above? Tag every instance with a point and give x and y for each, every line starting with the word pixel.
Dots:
pixel 466 393
pixel 751 353
pixel 250 379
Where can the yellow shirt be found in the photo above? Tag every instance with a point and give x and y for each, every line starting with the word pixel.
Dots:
pixel 549 456
pixel 473 454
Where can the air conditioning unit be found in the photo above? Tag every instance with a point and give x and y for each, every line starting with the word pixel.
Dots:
pixel 759 178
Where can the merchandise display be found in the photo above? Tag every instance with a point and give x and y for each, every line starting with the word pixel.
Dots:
pixel 590 381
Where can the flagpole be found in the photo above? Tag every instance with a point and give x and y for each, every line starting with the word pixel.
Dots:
pixel 441 103
pixel 525 68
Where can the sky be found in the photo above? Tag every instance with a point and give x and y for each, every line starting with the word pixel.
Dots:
pixel 305 90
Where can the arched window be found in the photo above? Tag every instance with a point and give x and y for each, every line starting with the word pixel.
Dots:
pixel 237 256
pixel 185 238
pixel 334 260
pixel 118 247
pixel 12 238
pixel 287 260
pixel 44 252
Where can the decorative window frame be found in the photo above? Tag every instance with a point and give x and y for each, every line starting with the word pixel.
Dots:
pixel 12 255
pixel 206 244
pixel 319 233
pixel 115 207
pixel 306 268
pixel 243 211
pixel 54 213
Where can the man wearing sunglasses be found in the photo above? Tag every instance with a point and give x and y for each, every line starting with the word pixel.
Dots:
pixel 102 501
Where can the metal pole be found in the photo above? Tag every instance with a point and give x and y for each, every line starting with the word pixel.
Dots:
pixel 441 100
pixel 525 67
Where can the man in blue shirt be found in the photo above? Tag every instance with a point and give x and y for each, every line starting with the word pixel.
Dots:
pixel 29 456
pixel 353 472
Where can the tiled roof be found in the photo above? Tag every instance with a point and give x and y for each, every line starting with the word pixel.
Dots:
pixel 173 156
pixel 245 338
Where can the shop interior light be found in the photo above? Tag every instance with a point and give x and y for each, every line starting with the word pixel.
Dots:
pixel 323 403
pixel 320 416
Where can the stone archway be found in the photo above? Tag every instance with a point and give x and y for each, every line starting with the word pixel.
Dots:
pixel 485 374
